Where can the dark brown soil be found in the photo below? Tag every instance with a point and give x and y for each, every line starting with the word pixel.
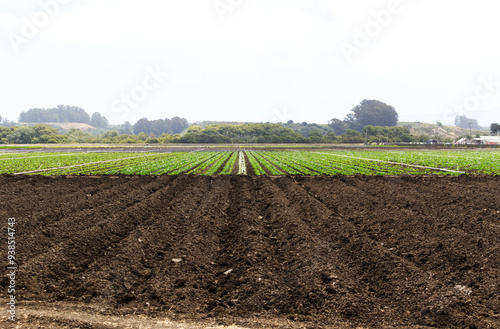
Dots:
pixel 320 251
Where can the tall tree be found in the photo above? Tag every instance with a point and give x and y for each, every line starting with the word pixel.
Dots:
pixel 142 126
pixel 161 126
pixel 372 112
pixel 99 121
pixel 462 121
pixel 178 125
pixel 338 126
pixel 126 128
pixel 495 129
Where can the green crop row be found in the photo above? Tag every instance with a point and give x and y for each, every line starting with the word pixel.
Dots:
pixel 487 162
pixel 41 164
pixel 272 162
pixel 214 166
pixel 258 170
pixel 228 168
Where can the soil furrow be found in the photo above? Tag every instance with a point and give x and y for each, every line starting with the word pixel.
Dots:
pixel 184 229
pixel 55 224
pixel 417 240
pixel 351 247
pixel 36 192
pixel 315 251
pixel 55 269
pixel 246 253
pixel 189 257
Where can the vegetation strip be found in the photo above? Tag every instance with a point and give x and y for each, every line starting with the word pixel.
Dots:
pixel 398 163
pixel 39 156
pixel 78 165
pixel 263 161
pixel 229 166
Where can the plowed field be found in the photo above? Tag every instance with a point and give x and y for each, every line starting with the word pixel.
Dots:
pixel 259 252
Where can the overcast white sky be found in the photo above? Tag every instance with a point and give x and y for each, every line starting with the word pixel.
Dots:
pixel 251 60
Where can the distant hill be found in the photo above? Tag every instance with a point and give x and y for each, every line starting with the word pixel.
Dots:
pixel 418 128
pixel 206 123
pixel 62 125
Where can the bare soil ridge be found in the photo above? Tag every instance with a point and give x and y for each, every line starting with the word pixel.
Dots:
pixel 320 251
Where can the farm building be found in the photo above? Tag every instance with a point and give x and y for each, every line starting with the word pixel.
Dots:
pixel 487 140
pixel 463 141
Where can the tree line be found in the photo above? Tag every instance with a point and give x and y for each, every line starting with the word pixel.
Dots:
pixel 268 133
pixel 213 134
pixel 59 114
pixel 371 121
pixel 75 114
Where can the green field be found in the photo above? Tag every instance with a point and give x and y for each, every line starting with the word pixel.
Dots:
pixel 258 161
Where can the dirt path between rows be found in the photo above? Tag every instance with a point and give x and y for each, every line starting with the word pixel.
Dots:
pixel 64 315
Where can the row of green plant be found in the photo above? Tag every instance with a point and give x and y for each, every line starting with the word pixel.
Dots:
pixel 229 167
pixel 262 162
pixel 470 161
pixel 198 163
pixel 351 162
pixel 43 161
